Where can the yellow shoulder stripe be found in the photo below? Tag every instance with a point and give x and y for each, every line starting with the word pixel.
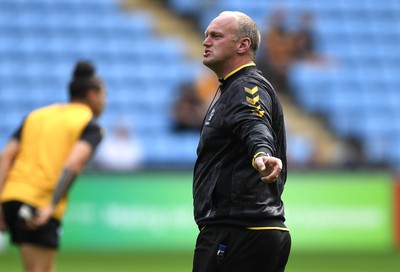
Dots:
pixel 251 91
pixel 254 100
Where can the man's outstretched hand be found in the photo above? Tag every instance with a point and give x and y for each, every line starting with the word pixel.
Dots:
pixel 269 168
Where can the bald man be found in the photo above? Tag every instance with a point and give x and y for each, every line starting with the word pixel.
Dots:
pixel 240 171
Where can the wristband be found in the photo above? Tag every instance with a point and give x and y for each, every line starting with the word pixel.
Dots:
pixel 258 154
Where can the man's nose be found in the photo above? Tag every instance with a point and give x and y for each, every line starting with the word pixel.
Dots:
pixel 206 41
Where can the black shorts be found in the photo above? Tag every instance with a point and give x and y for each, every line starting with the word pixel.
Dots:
pixel 46 236
pixel 236 249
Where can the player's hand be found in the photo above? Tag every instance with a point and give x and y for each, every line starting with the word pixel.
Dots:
pixel 41 217
pixel 269 168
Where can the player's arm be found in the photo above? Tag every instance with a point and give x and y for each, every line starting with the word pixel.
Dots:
pixel 73 166
pixel 75 163
pixel 7 159
pixel 9 154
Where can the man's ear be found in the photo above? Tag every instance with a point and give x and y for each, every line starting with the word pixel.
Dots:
pixel 244 45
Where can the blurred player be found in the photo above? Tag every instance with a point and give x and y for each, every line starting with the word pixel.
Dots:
pixel 41 161
pixel 240 170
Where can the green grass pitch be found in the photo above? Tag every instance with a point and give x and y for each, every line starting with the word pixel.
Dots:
pixel 181 262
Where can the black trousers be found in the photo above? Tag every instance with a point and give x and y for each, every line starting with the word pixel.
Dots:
pixel 236 249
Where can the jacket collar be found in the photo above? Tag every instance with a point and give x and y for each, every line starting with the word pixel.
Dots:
pixel 236 73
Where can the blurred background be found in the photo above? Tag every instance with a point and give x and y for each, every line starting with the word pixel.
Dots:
pixel 334 64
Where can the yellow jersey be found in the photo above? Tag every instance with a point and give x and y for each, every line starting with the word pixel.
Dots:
pixel 46 138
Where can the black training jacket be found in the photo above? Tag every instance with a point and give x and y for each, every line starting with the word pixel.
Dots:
pixel 246 119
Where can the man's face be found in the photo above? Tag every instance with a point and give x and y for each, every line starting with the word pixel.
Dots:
pixel 220 43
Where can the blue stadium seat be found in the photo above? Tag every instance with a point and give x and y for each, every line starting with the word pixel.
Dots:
pixel 41 40
pixel 186 7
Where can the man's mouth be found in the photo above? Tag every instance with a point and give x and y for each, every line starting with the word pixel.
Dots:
pixel 206 53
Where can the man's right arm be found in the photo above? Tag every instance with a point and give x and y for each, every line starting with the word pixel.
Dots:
pixel 6 161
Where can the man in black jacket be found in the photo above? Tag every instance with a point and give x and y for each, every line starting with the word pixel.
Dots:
pixel 240 171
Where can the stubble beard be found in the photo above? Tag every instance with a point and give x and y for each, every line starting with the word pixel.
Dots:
pixel 212 64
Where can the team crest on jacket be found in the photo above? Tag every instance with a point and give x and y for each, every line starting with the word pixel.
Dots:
pixel 253 99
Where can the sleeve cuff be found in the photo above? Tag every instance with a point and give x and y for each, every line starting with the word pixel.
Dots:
pixel 258 154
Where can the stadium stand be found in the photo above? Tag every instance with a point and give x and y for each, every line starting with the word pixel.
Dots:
pixel 358 98
pixel 41 39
